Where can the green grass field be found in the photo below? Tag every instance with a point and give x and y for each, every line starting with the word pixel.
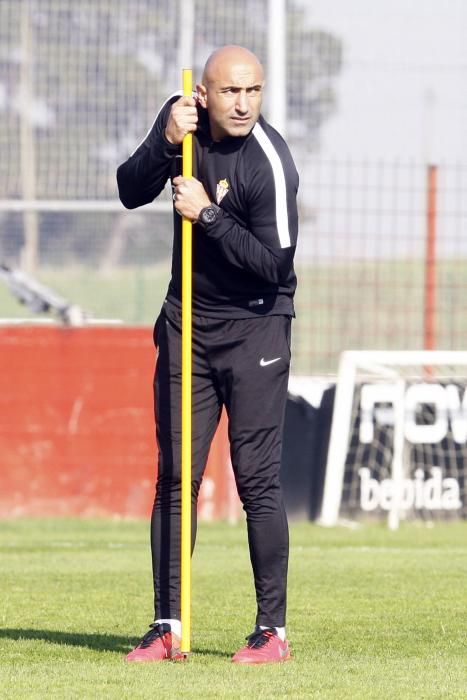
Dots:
pixel 372 613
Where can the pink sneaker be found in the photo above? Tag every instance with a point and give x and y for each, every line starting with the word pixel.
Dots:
pixel 263 647
pixel 158 644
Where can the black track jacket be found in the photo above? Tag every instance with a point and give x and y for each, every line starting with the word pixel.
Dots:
pixel 243 262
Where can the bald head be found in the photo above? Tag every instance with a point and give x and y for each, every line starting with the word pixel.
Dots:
pixel 221 59
pixel 232 91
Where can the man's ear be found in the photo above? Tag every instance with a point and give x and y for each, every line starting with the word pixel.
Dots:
pixel 202 95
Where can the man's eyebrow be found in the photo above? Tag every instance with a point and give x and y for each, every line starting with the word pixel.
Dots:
pixel 239 87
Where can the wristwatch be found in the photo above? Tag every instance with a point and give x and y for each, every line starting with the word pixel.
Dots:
pixel 209 215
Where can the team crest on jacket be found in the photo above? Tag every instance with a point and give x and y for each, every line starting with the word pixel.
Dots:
pixel 221 190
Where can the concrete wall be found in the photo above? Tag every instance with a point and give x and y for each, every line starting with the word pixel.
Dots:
pixel 76 426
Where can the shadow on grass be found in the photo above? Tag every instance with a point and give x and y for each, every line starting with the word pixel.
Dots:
pixel 97 642
pixel 211 652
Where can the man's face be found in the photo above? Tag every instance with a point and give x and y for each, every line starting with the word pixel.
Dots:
pixel 233 95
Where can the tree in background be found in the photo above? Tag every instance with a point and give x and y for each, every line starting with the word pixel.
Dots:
pixel 97 73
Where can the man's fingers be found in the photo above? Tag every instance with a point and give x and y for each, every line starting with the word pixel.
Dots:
pixel 185 182
pixel 186 100
pixel 183 119
pixel 185 108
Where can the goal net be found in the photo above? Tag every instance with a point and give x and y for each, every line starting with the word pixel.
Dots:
pixel 398 443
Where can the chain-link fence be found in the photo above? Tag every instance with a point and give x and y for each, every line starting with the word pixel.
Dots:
pixel 80 84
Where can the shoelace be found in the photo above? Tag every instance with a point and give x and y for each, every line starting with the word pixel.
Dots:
pixel 155 632
pixel 259 638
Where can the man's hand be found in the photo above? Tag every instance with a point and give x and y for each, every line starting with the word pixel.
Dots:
pixel 183 119
pixel 189 197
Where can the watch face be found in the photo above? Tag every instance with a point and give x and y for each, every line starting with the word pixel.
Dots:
pixel 208 215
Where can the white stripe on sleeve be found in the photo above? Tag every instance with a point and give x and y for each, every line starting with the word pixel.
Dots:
pixel 282 217
pixel 179 93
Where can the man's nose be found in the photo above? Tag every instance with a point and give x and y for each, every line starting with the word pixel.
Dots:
pixel 242 101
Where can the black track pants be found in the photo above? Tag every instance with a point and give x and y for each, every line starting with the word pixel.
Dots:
pixel 244 365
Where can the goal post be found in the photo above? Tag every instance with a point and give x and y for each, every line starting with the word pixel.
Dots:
pixel 398 440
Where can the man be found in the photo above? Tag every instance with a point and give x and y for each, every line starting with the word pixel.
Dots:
pixel 242 202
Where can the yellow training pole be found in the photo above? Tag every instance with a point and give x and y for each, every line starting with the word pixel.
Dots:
pixel 187 165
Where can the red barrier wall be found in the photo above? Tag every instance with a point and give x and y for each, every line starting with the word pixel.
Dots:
pixel 76 426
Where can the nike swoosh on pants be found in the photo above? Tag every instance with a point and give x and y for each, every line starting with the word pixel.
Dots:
pixel 265 363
